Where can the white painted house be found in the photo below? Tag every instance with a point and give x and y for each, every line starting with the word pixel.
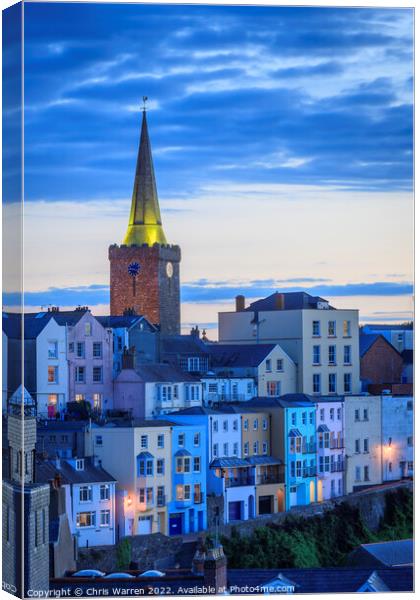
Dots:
pixel 397 437
pixel 330 447
pixel 90 498
pixel 52 371
pixel 217 388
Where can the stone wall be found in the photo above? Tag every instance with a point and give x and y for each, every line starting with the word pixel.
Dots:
pixel 159 551
pixel 148 552
pixel 371 504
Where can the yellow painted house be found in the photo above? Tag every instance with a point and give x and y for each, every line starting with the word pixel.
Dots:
pixel 139 457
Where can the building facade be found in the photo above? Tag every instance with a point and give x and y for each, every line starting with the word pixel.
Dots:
pixel 90 359
pixel 187 508
pixel 397 437
pixel 363 442
pixel 142 468
pixel 330 447
pixel 151 390
pixel 321 340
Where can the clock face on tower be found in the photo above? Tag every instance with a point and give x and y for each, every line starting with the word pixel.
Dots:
pixel 133 269
pixel 169 269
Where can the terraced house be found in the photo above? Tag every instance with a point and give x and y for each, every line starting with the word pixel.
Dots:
pixel 187 508
pixel 363 441
pixel 330 447
pixel 138 454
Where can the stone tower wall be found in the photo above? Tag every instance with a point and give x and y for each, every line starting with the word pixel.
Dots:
pixel 157 296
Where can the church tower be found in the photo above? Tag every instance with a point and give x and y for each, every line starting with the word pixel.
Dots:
pixel 144 270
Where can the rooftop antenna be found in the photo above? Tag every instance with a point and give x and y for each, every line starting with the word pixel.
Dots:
pixel 145 99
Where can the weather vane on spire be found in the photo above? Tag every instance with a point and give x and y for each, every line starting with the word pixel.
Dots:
pixel 145 98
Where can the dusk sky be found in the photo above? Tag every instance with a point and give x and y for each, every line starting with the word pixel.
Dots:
pixel 282 143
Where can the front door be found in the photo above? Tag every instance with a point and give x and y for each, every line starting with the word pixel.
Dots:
pixel 265 505
pixel 235 511
pixel 175 524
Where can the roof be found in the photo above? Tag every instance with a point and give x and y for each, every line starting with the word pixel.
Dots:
pixel 323 428
pixel 21 395
pixel 286 401
pixel 163 372
pixel 295 433
pixel 47 470
pixel 34 323
pixel 145 454
pixel 122 321
pixel 183 344
pixel 287 301
pixel 367 340
pixel 57 425
pixel 195 410
pixel 239 355
pixel 263 460
pixel 135 423
pixel 391 554
pixel 387 327
pixel 326 580
pixel 227 462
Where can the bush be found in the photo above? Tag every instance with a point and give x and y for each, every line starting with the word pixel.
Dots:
pixel 319 541
pixel 124 554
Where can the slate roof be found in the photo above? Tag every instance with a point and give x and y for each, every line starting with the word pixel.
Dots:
pixel 183 344
pixel 136 423
pixel 123 321
pixel 239 355
pixel 163 372
pixel 57 425
pixel 391 554
pixel 291 301
pixel 228 461
pixel 366 341
pixel 47 470
pixel 325 580
pixel 34 323
pixel 387 327
pixel 196 410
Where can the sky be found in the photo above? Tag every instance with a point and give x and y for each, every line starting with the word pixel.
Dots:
pixel 282 143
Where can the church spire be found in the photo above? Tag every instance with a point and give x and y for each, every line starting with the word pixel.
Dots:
pixel 145 224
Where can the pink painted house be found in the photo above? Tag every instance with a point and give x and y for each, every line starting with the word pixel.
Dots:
pixel 90 360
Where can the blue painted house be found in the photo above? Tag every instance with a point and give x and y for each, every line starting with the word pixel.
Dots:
pixel 293 440
pixel 187 509
pixel 299 418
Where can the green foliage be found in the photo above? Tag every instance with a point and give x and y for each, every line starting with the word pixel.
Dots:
pixel 318 541
pixel 124 554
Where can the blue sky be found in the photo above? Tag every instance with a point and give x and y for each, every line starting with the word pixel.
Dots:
pixel 255 114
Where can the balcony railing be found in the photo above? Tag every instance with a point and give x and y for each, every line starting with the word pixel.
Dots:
pixel 237 482
pixel 266 479
pixel 337 467
pixel 337 444
pixel 309 472
pixel 214 397
pixel 309 449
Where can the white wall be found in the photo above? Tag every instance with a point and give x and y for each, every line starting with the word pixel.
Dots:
pixel 397 427
pixel 52 332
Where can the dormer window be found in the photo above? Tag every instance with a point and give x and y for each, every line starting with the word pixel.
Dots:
pixel 80 464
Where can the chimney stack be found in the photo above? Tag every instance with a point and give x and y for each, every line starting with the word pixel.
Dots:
pixel 279 301
pixel 129 358
pixel 215 569
pixel 240 303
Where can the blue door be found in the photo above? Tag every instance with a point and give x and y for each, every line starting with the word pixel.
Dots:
pixel 175 524
pixel 235 511
pixel 200 520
